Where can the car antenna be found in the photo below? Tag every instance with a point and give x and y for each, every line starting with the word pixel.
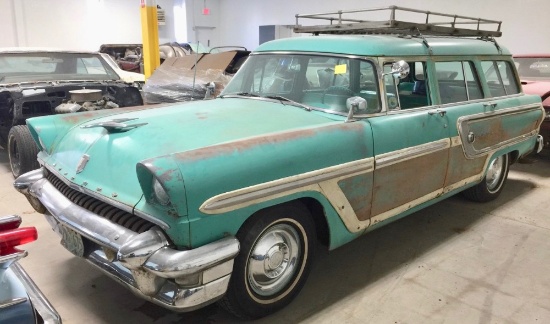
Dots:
pixel 195 68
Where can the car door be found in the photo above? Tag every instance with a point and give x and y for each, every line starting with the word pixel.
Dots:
pixel 459 94
pixel 482 119
pixel 411 147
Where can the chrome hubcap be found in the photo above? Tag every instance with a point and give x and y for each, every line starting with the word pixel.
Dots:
pixel 273 260
pixel 494 173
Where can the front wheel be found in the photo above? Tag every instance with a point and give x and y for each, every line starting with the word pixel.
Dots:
pixel 22 150
pixel 277 247
pixel 492 184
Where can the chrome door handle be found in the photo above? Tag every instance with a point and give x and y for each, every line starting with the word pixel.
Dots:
pixel 471 137
pixel 438 112
pixel 490 105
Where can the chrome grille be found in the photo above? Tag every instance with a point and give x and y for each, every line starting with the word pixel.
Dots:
pixel 114 214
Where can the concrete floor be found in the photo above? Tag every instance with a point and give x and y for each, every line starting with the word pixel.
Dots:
pixel 454 262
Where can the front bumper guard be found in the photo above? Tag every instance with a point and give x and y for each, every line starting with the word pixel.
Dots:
pixel 540 144
pixel 145 263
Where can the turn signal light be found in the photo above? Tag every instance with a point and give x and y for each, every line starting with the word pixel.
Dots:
pixel 11 238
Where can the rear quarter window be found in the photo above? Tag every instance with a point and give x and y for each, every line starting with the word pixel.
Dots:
pixel 500 77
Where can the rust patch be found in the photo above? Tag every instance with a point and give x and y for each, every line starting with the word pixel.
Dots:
pixel 460 167
pixel 262 140
pixel 357 191
pixel 201 115
pixel 403 182
pixel 168 175
pixel 492 131
pixel 75 118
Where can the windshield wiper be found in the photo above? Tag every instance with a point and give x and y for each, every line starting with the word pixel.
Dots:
pixel 240 94
pixel 292 102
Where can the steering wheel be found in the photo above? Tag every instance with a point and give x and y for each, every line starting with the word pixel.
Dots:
pixel 337 90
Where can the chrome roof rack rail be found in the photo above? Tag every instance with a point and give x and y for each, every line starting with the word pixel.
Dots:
pixel 415 21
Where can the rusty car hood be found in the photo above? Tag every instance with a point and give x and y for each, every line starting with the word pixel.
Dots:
pixel 112 153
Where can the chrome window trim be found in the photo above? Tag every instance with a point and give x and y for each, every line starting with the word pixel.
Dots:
pixel 371 59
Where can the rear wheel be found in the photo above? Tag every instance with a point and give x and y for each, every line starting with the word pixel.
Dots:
pixel 492 184
pixel 22 150
pixel 277 246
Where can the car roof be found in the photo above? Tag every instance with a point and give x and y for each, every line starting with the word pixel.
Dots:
pixel 384 45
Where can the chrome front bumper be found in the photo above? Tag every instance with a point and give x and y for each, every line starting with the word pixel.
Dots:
pixel 145 263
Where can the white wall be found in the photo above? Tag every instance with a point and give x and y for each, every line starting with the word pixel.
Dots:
pixel 204 28
pixel 86 24
pixel 76 24
pixel 525 22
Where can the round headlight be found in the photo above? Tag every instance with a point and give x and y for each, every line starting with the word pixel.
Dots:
pixel 159 193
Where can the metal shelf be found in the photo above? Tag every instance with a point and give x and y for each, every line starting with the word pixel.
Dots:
pixel 344 22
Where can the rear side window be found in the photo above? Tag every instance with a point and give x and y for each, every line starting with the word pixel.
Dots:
pixel 500 78
pixel 457 82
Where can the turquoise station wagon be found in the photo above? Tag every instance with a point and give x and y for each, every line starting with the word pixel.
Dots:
pixel 322 137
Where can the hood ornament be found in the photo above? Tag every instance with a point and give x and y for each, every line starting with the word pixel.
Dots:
pixel 82 163
pixel 116 125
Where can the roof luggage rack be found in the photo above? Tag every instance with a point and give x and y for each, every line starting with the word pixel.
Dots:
pixel 345 22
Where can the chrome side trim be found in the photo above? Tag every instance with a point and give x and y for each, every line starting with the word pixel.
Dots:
pixel 39 301
pixel 463 129
pixel 7 260
pixel 387 159
pixel 249 195
pixel 11 302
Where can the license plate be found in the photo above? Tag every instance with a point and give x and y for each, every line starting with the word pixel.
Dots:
pixel 72 241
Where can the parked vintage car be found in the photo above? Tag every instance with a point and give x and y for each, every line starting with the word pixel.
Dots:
pixel 534 72
pixel 21 301
pixel 133 78
pixel 193 77
pixel 321 137
pixel 129 56
pixel 39 82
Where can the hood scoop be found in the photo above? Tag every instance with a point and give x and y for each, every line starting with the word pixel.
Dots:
pixel 116 125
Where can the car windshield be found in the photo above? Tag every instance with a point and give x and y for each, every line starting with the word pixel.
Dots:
pixel 533 68
pixel 318 82
pixel 53 66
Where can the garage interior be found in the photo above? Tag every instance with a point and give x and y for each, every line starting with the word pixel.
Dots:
pixel 454 262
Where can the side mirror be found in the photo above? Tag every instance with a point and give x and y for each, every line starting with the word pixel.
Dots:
pixel 400 69
pixel 354 104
